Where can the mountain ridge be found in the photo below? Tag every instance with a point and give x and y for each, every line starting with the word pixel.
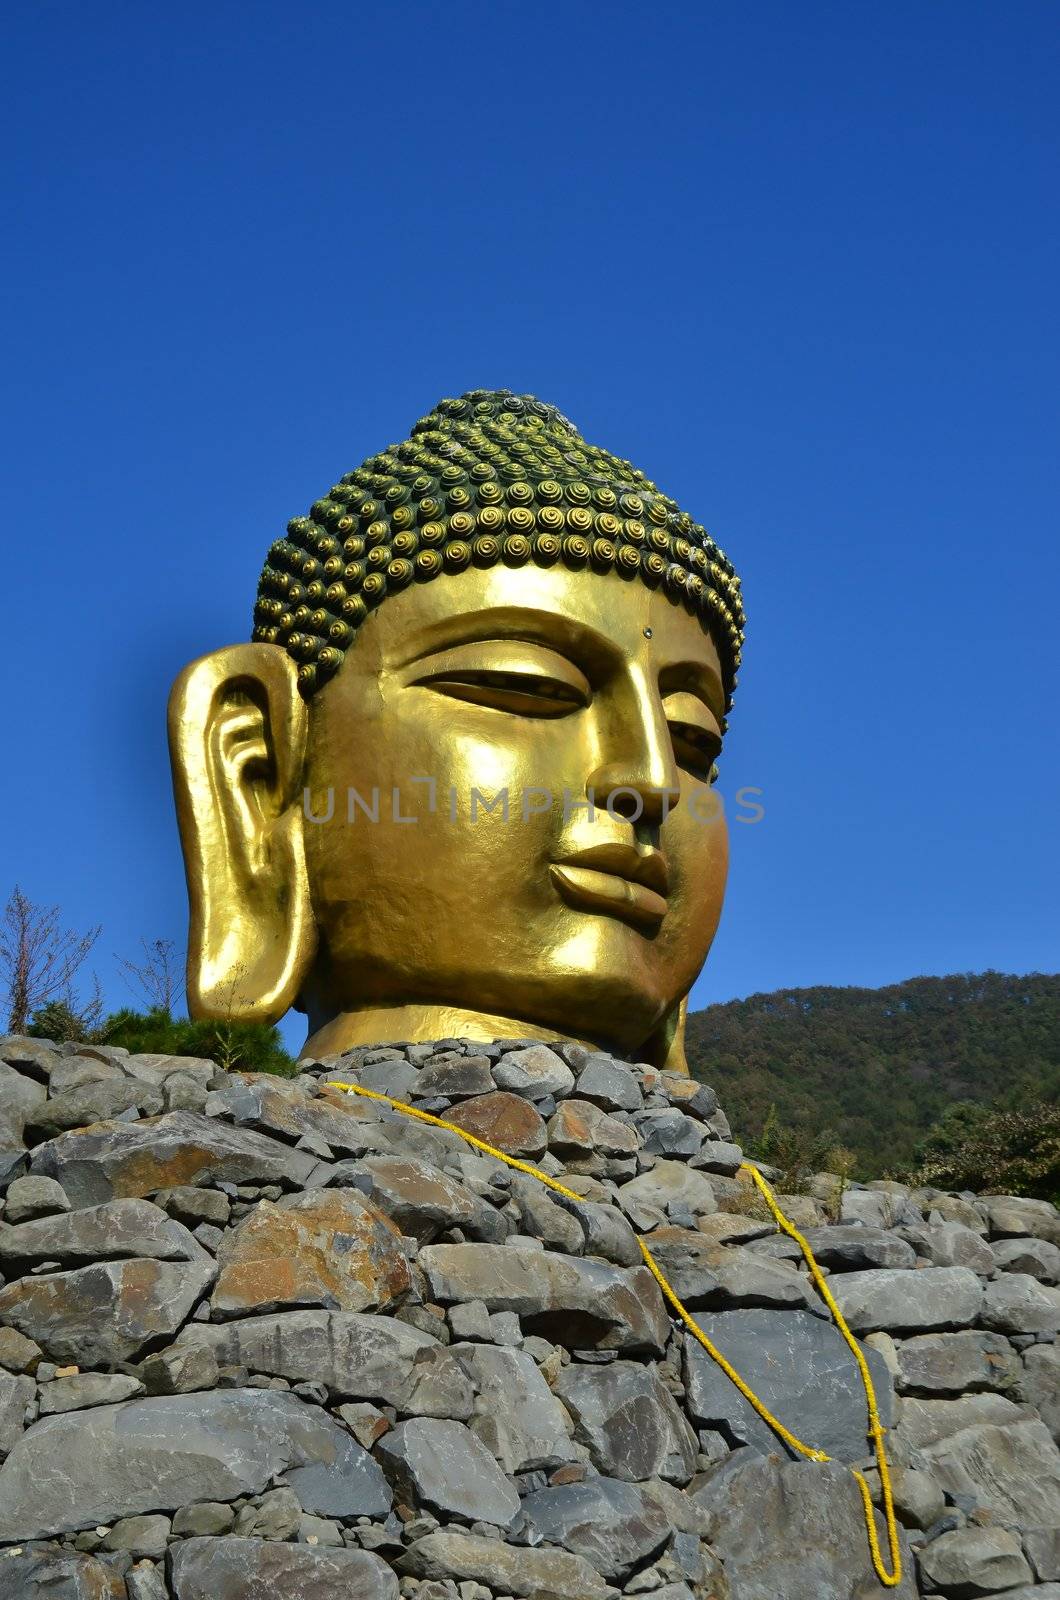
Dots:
pixel 877 1067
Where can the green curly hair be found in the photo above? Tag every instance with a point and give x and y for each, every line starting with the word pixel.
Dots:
pixel 490 477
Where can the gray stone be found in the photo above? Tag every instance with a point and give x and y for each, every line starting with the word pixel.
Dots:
pixel 182 1369
pixel 956 1363
pixel 973 1561
pixel 358 1357
pixel 93 1102
pixel 918 1500
pixel 630 1422
pixel 17 1353
pixel 1012 1472
pixel 142 1537
pixel 719 1155
pixel 456 1077
pixel 28 1198
pixel 98 1316
pixel 727 1277
pixel 543 1218
pixel 534 1072
pixel 1016 1216
pixel 254 1569
pixel 795 1530
pixel 86 1389
pixel 441 1464
pixel 666 1184
pixel 276 1515
pixel 1039 1384
pixel 1042 1547
pixel 517 1416
pixel 145 1582
pixel 924 1422
pixel 909 1302
pixel 424 1201
pixel 85 1468
pixel 348 1125
pixel 800 1368
pixel 20 1100
pixel 609 1085
pixel 38 1057
pixel 951 1208
pixel 208 1517
pixel 668 1132
pixel 192 1206
pixel 1017 1303
pixel 57 1575
pixel 587 1303
pixel 951 1244
pixel 120 1228
pixel 842 1248
pixel 15 1396
pixel 608 1234
pixel 1035 1257
pixel 870 1207
pixel 503 1568
pixel 129 1160
pixel 470 1321
pixel 615 1526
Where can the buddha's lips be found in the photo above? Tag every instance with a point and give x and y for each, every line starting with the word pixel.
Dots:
pixel 602 879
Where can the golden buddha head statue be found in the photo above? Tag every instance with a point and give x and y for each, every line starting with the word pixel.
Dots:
pixel 460 783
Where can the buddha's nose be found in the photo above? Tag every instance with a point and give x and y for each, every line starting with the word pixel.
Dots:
pixel 639 778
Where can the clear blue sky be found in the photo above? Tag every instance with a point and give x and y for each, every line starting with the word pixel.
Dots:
pixel 798 261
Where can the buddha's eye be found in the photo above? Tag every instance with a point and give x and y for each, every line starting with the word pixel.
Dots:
pixel 514 675
pixel 522 694
pixel 696 749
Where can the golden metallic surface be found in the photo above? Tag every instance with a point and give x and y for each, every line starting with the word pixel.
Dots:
pixel 545 682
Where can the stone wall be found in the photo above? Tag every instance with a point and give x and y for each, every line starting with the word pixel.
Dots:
pixel 264 1339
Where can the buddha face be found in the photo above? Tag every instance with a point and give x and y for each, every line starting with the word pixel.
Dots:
pixel 476 717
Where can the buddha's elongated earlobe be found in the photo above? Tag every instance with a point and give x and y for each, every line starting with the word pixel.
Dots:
pixel 237 734
pixel 666 1047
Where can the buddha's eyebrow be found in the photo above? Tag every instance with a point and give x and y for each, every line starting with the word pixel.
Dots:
pixel 513 623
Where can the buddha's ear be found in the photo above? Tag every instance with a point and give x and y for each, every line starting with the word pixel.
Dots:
pixel 237 735
pixel 666 1047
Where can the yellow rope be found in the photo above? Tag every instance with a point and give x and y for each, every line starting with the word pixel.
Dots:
pixel 875 1430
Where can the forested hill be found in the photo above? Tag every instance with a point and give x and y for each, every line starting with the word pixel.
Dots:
pixel 876 1067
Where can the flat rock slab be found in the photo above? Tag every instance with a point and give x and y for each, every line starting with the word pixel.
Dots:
pixel 505 1568
pixel 348 1124
pixel 260 1569
pixel 909 1302
pixel 133 1159
pixel 797 1530
pixel 158 1454
pixel 98 1316
pixel 1011 1470
pixel 801 1369
pixel 587 1304
pixel 359 1357
pixel 956 1363
pixel 424 1201
pixel 328 1248
pixel 631 1423
pixel 57 1575
pixel 614 1526
pixel 442 1465
pixel 100 1233
pixel 516 1413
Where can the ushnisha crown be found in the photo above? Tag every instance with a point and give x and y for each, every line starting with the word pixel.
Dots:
pixel 490 477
